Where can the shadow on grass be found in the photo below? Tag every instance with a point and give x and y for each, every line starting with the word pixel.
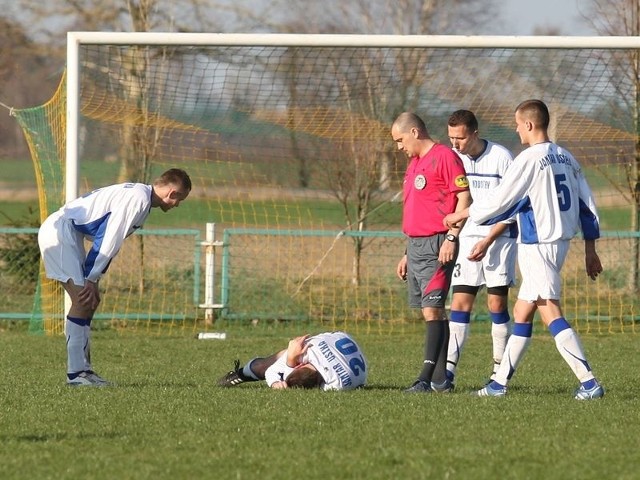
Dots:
pixel 153 384
pixel 55 437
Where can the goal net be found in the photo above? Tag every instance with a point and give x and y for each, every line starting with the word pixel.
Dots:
pixel 286 138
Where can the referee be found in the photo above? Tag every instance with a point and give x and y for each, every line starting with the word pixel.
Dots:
pixel 435 185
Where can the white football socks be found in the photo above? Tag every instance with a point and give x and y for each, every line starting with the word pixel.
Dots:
pixel 514 351
pixel 87 347
pixel 76 342
pixel 569 346
pixel 458 334
pixel 499 334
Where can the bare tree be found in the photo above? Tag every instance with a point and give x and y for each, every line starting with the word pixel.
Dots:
pixel 27 78
pixel 140 141
pixel 139 134
pixel 350 83
pixel 622 17
pixel 368 167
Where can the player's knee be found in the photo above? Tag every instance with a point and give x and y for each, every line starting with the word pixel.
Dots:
pixel 82 311
pixel 498 298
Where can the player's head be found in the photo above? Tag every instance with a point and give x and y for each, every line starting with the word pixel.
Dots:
pixel 407 131
pixel 304 376
pixel 462 128
pixel 532 119
pixel 171 188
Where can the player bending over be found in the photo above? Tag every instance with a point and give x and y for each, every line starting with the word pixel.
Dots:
pixel 104 217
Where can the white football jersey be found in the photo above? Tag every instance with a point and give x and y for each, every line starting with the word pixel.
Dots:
pixel 546 188
pixel 485 174
pixel 106 217
pixel 335 355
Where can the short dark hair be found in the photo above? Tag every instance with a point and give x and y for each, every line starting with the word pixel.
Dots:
pixel 408 120
pixel 463 117
pixel 304 378
pixel 175 176
pixel 536 111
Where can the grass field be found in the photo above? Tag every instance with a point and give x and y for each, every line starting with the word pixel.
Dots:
pixel 166 418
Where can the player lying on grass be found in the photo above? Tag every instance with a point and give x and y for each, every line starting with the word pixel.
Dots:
pixel 330 361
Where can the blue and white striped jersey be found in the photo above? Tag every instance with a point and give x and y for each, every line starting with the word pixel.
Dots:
pixel 546 188
pixel 106 217
pixel 485 174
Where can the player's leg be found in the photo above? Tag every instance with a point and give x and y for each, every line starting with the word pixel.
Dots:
pixel 435 348
pixel 78 336
pixel 62 250
pixel 251 371
pixel 498 305
pixel 566 339
pixel 570 347
pixel 459 325
pixel 466 280
pixel 88 367
pixel 256 367
pixel 533 275
pixel 499 270
pixel 514 351
pixel 429 284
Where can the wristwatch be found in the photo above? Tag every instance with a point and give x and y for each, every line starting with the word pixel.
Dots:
pixel 451 237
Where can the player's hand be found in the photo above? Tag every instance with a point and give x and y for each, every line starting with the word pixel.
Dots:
pixel 478 251
pixel 593 264
pixel 279 385
pixel 452 220
pixel 401 269
pixel 89 296
pixel 296 349
pixel 447 252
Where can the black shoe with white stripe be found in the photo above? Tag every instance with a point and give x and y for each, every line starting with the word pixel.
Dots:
pixel 234 377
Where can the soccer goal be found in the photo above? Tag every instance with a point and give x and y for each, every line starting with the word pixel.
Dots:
pixel 287 140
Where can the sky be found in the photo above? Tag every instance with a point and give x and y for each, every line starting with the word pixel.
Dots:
pixel 523 16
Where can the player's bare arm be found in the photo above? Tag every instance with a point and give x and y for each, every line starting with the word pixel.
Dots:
pixel 448 249
pixel 592 260
pixel 447 252
pixel 480 249
pixel 401 269
pixel 454 219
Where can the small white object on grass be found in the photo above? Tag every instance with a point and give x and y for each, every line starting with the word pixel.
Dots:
pixel 211 336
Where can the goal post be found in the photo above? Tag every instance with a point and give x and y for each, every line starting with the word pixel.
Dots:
pixel 288 133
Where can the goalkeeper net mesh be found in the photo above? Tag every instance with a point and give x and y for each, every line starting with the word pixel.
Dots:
pixel 290 154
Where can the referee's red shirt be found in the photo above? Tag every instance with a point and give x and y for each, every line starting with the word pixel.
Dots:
pixel 430 187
